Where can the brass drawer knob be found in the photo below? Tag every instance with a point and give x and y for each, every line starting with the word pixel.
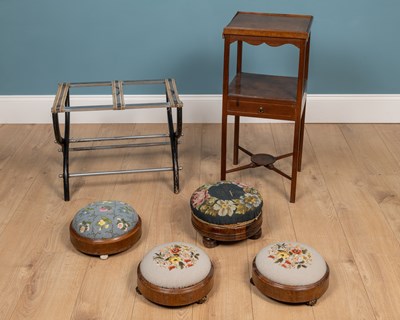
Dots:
pixel 261 110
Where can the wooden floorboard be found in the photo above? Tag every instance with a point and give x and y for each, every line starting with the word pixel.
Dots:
pixel 368 232
pixel 347 207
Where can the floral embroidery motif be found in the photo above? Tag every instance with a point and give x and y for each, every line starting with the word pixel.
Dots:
pixel 290 256
pixel 88 210
pixel 176 257
pixel 105 208
pixel 84 226
pixel 104 223
pixel 224 207
pixel 122 224
pixel 199 197
pixel 208 204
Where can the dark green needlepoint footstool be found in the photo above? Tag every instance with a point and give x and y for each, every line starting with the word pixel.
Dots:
pixel 105 227
pixel 290 272
pixel 226 211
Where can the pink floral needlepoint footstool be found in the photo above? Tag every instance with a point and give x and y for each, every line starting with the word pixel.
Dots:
pixel 226 211
pixel 105 227
pixel 175 274
pixel 290 272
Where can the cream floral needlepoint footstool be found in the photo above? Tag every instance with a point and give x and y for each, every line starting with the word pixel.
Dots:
pixel 290 272
pixel 175 274
pixel 226 211
pixel 105 227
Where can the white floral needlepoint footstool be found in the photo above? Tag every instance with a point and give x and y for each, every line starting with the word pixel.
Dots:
pixel 290 272
pixel 105 227
pixel 175 274
pixel 226 211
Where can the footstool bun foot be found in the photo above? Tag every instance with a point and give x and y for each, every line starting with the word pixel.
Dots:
pixel 105 227
pixel 290 272
pixel 175 274
pixel 257 235
pixel 209 243
pixel 226 211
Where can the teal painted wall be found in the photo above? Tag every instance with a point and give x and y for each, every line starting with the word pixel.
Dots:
pixel 355 43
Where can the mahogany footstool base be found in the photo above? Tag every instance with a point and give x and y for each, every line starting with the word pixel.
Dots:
pixel 291 273
pixel 175 274
pixel 104 228
pixel 213 233
pixel 226 211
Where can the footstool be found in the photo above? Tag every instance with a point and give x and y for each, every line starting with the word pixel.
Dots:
pixel 105 227
pixel 290 272
pixel 226 211
pixel 175 274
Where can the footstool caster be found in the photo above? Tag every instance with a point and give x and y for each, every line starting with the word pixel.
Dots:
pixel 105 227
pixel 226 211
pixel 202 300
pixel 312 302
pixel 290 272
pixel 175 274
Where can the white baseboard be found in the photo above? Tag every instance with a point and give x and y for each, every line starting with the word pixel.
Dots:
pixel 321 108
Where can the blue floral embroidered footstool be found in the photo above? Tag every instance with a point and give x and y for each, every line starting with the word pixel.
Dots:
pixel 290 272
pixel 226 211
pixel 105 227
pixel 175 274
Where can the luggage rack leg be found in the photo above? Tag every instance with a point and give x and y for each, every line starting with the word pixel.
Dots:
pixel 174 150
pixel 65 151
pixel 64 143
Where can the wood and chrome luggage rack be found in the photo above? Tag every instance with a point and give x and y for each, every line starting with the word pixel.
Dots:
pixel 62 105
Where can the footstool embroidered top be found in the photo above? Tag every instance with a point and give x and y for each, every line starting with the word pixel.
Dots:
pixel 290 272
pixel 175 265
pixel 226 202
pixel 175 274
pixel 101 224
pixel 105 220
